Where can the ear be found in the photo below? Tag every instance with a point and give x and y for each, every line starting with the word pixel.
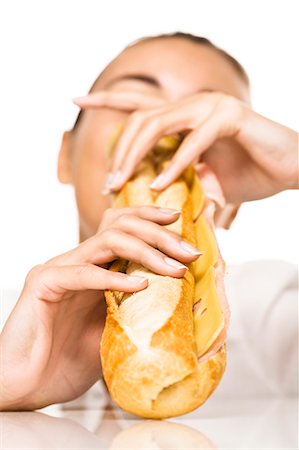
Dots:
pixel 64 172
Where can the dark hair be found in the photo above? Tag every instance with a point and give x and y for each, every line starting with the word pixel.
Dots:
pixel 193 38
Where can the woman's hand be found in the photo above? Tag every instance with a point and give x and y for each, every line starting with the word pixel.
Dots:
pixel 50 342
pixel 252 156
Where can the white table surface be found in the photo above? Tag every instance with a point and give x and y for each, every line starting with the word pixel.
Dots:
pixel 222 423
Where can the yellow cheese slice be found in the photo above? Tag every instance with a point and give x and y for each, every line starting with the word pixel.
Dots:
pixel 208 317
pixel 197 196
pixel 206 243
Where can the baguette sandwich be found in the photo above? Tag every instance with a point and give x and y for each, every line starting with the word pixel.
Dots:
pixel 163 348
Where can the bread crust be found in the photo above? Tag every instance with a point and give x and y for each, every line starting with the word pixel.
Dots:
pixel 166 382
pixel 159 377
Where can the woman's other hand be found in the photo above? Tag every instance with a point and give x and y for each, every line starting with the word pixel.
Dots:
pixel 252 156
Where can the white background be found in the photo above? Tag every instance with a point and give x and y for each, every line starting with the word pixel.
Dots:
pixel 51 51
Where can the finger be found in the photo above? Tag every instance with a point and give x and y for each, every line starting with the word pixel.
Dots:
pixel 163 216
pixel 210 184
pixel 194 145
pixel 157 236
pixel 114 243
pixel 224 217
pixel 132 128
pixel 144 129
pixel 127 101
pixel 53 281
pixel 123 143
pixel 81 253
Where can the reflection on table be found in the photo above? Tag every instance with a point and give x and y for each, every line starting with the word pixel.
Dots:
pixel 235 423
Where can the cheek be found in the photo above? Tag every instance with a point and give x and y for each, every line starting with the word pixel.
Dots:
pixel 90 165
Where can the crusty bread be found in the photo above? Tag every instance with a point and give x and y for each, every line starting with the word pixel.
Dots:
pixel 148 348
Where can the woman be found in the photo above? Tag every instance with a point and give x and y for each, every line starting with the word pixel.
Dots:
pixel 157 86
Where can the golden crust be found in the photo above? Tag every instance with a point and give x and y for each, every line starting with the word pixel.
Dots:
pixel 191 392
pixel 163 379
pixel 166 381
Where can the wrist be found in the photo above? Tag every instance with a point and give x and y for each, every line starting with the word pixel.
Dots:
pixel 18 396
pixel 273 146
pixel 291 145
pixel 25 403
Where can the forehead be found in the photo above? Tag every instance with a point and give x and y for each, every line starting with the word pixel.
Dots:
pixel 182 67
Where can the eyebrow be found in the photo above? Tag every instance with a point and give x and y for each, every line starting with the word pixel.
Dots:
pixel 137 77
pixel 146 79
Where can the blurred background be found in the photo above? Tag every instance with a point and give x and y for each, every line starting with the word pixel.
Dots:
pixel 51 51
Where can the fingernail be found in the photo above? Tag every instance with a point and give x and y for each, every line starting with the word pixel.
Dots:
pixel 117 179
pixel 169 211
pixel 83 99
pixel 189 248
pixel 107 183
pixel 174 263
pixel 158 181
pixel 137 280
pixel 79 99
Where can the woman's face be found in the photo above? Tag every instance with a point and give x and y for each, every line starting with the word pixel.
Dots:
pixel 173 68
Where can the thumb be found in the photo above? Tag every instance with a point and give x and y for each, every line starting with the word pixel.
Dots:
pixel 50 283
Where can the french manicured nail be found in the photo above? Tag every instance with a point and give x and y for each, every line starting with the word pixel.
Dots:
pixel 83 99
pixel 169 211
pixel 189 248
pixel 107 183
pixel 174 263
pixel 137 280
pixel 158 181
pixel 117 179
pixel 79 99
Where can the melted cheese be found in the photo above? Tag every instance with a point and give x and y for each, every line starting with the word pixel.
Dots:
pixel 197 196
pixel 207 245
pixel 208 317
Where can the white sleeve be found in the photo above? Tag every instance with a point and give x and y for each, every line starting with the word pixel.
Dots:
pixel 262 345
